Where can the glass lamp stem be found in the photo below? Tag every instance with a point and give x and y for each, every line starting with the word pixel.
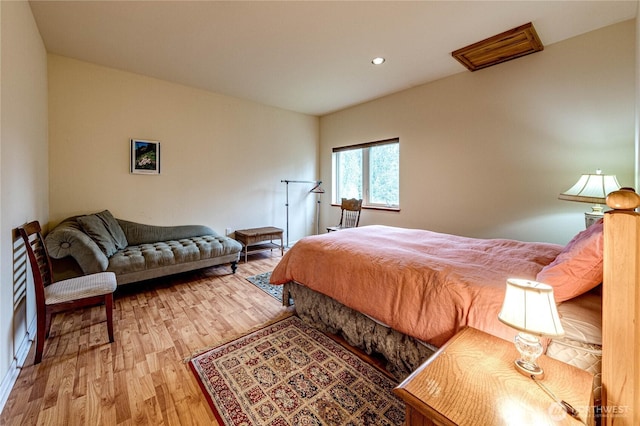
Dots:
pixel 530 349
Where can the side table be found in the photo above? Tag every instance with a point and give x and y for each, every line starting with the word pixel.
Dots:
pixel 259 239
pixel 472 380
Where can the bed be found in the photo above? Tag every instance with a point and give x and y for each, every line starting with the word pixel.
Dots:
pixel 402 293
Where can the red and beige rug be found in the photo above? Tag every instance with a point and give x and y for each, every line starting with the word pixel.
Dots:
pixel 288 373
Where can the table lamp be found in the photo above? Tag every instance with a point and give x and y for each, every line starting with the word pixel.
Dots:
pixel 530 307
pixel 592 188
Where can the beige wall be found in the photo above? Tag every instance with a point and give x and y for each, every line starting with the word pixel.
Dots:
pixel 486 154
pixel 222 158
pixel 23 171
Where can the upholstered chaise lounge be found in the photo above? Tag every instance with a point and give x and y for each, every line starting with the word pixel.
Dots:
pixel 136 252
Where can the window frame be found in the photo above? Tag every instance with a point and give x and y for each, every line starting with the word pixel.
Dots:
pixel 366 178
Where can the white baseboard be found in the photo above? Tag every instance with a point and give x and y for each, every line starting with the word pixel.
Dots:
pixel 16 365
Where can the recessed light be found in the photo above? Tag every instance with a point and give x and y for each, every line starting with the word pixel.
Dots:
pixel 378 61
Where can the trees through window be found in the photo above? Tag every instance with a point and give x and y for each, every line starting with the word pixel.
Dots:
pixel 370 171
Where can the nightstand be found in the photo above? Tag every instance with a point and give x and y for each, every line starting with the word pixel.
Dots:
pixel 472 380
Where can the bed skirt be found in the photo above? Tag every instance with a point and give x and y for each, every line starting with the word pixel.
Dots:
pixel 403 353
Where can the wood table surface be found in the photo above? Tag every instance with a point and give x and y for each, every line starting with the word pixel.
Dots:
pixel 472 380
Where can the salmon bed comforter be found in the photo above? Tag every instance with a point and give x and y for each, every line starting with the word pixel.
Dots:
pixel 421 283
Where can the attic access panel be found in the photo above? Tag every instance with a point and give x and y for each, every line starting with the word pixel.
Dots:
pixel 512 44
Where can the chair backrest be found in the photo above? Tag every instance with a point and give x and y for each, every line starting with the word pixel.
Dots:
pixel 31 234
pixel 350 215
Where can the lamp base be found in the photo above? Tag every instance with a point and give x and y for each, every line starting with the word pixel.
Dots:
pixel 529 369
pixel 592 217
pixel 530 349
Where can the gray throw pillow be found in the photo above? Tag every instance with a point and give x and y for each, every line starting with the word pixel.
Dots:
pixel 113 227
pixel 95 228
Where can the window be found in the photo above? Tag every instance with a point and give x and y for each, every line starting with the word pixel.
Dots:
pixel 370 171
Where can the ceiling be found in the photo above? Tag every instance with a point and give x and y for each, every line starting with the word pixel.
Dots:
pixel 312 57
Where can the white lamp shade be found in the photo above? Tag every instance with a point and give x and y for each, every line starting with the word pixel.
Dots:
pixel 591 188
pixel 529 306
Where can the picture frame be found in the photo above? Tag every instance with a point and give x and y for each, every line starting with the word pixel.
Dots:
pixel 145 157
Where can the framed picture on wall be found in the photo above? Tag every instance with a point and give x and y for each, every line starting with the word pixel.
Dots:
pixel 145 157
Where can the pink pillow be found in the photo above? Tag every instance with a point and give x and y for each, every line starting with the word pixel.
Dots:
pixel 578 267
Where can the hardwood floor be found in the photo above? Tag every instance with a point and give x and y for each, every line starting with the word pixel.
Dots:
pixel 142 377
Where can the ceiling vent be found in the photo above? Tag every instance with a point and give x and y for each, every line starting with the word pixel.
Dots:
pixel 503 47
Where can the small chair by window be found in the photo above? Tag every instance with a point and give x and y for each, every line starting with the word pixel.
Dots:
pixel 349 215
pixel 53 297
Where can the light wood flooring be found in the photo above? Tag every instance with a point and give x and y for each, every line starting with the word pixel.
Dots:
pixel 142 377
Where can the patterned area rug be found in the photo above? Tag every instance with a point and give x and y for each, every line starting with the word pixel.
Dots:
pixel 262 281
pixel 291 374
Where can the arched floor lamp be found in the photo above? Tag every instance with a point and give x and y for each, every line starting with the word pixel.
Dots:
pixel 317 189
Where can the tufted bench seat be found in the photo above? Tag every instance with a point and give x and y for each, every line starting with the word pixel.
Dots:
pixel 137 252
pixel 133 263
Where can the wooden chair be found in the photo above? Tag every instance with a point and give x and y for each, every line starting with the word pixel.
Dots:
pixel 62 295
pixel 349 215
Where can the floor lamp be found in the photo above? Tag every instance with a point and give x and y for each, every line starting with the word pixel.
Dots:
pixel 317 189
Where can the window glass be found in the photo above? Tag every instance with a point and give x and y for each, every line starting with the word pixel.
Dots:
pixel 369 171
pixel 350 174
pixel 384 171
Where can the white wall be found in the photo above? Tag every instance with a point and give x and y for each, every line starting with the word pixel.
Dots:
pixel 486 154
pixel 24 171
pixel 222 158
